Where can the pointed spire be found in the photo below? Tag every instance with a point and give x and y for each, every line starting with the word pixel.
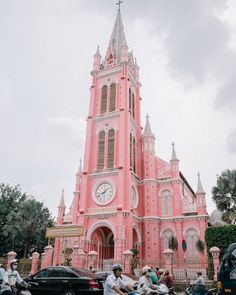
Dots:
pixel 147 129
pixel 62 202
pixel 98 51
pixel 173 156
pixel 200 189
pixel 117 36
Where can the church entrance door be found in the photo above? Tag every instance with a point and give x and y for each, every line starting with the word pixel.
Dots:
pixel 102 241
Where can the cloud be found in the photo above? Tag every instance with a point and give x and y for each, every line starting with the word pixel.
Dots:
pixel 231 141
pixel 64 128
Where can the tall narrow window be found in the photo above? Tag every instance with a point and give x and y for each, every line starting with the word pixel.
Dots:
pixel 133 106
pixel 101 149
pixel 130 99
pixel 130 150
pixel 111 141
pixel 112 98
pixel 104 99
pixel 191 239
pixel 134 156
pixel 166 202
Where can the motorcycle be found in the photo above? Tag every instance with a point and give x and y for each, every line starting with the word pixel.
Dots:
pixel 23 288
pixel 161 289
pixel 212 291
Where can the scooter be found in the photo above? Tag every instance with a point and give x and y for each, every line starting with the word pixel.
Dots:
pixel 23 288
pixel 212 291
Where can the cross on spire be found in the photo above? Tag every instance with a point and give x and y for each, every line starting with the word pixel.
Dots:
pixel 119 3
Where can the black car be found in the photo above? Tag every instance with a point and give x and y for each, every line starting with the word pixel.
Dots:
pixel 65 280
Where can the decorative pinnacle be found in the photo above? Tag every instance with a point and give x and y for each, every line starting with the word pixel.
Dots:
pixel 147 129
pixel 199 185
pixel 173 156
pixel 62 202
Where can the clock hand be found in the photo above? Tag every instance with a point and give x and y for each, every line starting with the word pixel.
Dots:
pixel 102 192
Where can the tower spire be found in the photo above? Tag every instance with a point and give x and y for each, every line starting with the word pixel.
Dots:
pixel 173 156
pixel 62 202
pixel 147 129
pixel 117 39
pixel 200 189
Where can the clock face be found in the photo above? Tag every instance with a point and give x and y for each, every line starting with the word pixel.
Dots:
pixel 103 193
pixel 134 198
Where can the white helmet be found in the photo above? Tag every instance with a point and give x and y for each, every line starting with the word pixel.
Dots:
pixel 145 269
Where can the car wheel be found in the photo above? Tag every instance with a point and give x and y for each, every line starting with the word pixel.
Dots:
pixel 68 292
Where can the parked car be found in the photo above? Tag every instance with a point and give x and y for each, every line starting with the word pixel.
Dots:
pixel 65 280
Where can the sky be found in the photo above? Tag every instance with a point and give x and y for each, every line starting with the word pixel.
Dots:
pixel 186 50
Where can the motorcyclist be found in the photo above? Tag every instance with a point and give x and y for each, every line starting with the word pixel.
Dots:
pixel 114 282
pixel 199 285
pixel 145 285
pixel 5 288
pixel 12 273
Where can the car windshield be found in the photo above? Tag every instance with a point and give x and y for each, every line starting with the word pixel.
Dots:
pixel 83 272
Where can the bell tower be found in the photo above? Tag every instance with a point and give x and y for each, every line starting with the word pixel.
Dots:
pixel 112 160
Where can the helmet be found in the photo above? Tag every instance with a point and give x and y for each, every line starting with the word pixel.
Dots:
pixel 145 269
pixel 116 267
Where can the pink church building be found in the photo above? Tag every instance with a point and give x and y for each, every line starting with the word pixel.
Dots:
pixel 125 196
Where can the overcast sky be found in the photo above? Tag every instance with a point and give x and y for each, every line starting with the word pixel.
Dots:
pixel 186 50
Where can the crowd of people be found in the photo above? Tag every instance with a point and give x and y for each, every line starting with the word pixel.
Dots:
pixel 151 281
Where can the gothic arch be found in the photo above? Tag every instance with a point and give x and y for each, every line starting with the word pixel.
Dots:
pixel 169 228
pixel 136 228
pixel 97 225
pixel 189 228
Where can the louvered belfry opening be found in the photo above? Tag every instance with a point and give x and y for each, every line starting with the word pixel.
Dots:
pixel 112 98
pixel 129 99
pixel 130 150
pixel 111 143
pixel 101 149
pixel 133 106
pixel 104 99
pixel 134 156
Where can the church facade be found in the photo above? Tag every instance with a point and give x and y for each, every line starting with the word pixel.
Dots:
pixel 126 197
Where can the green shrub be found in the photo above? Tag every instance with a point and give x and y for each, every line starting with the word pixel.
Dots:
pixel 221 237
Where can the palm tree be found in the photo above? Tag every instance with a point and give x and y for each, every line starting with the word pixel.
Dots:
pixel 224 195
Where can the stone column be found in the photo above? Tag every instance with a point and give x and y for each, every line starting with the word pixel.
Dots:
pixel 168 254
pixel 92 259
pixel 128 255
pixel 48 250
pixel 75 256
pixel 215 252
pixel 35 262
pixel 82 258
pixel 10 255
pixel 43 260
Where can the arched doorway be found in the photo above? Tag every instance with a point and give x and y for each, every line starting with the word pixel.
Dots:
pixel 102 241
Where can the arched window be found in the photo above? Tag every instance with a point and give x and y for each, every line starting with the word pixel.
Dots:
pixel 166 203
pixel 101 149
pixel 134 156
pixel 104 99
pixel 191 239
pixel 166 238
pixel 130 150
pixel 112 98
pixel 130 99
pixel 133 106
pixel 111 142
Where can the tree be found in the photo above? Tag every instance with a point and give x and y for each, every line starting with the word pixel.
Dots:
pixel 10 197
pixel 224 195
pixel 29 224
pixel 23 222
